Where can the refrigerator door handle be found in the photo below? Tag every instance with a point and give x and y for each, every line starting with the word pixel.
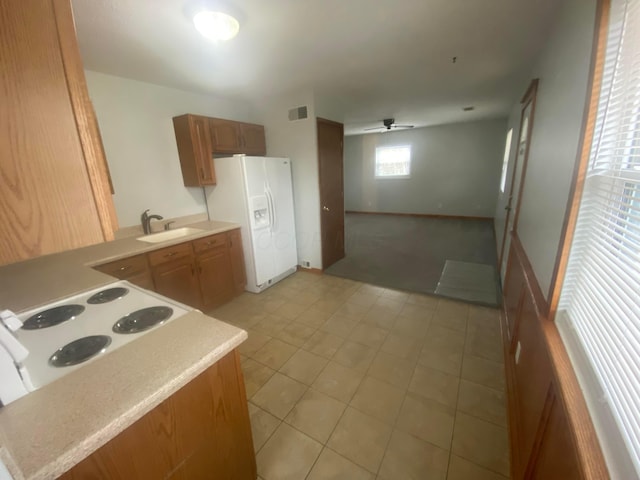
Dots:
pixel 274 219
pixel 267 194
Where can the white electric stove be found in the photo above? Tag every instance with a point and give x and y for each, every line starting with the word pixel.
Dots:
pixel 49 342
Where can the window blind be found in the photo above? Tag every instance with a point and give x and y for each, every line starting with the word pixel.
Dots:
pixel 600 300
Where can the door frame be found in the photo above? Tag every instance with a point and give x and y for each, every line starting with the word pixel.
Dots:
pixel 529 98
pixel 320 120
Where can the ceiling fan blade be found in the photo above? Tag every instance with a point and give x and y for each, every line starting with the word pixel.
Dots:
pixel 375 128
pixel 402 126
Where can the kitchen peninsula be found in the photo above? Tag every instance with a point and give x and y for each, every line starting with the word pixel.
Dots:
pixel 170 404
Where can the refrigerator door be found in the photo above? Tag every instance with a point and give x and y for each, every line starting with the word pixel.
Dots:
pixel 280 191
pixel 261 218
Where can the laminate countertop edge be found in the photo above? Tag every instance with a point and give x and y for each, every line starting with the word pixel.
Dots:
pixel 52 429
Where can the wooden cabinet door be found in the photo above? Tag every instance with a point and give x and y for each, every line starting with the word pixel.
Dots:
pixel 216 277
pixel 177 279
pixel 193 139
pixel 253 139
pixel 237 261
pixel 204 158
pixel 225 136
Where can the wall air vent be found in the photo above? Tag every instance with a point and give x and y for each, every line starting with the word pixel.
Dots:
pixel 298 113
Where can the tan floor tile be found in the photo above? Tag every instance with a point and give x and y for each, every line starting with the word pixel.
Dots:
pixel 361 439
pixel 355 355
pixel 332 466
pixel 484 343
pixel 254 343
pixel 379 318
pixel 314 317
pixel 296 333
pixel 290 310
pixel 354 310
pixel 482 402
pixel 306 297
pixel 483 371
pixel 441 338
pixel 391 369
pixel 364 299
pixel 304 366
pixel 417 312
pixel 410 327
pixel 388 305
pixel 408 458
pixel 272 303
pixel 275 353
pixel 396 295
pixel 324 344
pixel 481 442
pixel 255 375
pixel 452 322
pixel 435 385
pixel 368 335
pixel 279 395
pixel 461 469
pixel 429 302
pixel 426 419
pixel 441 359
pixel 401 346
pixel 288 455
pixel 271 325
pixel 378 399
pixel 328 304
pixel 338 381
pixel 316 415
pixel 340 325
pixel 371 289
pixel 263 424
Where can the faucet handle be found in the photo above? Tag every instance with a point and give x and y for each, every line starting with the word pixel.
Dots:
pixel 167 226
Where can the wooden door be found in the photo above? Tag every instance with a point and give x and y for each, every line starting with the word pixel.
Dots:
pixel 237 261
pixel 253 140
pixel 519 172
pixel 177 280
pixel 204 150
pixel 216 277
pixel 225 136
pixel 330 153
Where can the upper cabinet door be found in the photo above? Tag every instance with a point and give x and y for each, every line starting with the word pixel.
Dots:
pixel 253 140
pixel 193 138
pixel 53 177
pixel 225 135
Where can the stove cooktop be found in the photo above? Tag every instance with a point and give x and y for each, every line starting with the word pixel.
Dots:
pixel 67 334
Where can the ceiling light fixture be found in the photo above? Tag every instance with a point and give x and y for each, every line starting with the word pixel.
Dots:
pixel 217 26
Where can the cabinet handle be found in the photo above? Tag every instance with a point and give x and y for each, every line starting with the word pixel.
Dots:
pixel 202 173
pixel 126 267
pixel 171 254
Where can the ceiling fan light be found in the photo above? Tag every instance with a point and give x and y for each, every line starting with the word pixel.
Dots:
pixel 216 26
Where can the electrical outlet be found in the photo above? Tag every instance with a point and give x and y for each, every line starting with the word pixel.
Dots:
pixel 518 350
pixel 306 264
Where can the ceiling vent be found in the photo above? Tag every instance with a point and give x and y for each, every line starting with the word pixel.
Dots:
pixel 298 113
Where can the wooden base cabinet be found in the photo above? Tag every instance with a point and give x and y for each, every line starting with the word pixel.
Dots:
pixel 133 269
pixel 201 432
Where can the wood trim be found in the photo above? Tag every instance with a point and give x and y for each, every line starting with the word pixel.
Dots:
pixel 317 271
pixel 422 215
pixel 582 162
pixel 569 392
pixel 86 123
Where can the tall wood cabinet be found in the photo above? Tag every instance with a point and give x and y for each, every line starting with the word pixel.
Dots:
pixel 53 173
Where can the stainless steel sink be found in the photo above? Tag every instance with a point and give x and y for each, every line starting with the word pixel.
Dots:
pixel 170 235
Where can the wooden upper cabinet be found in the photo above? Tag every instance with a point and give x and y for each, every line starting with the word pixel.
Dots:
pixel 53 174
pixel 253 139
pixel 225 135
pixel 193 138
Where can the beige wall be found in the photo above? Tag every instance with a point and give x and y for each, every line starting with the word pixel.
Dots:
pixel 455 170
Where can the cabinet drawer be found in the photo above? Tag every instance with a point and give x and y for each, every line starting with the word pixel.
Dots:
pixel 209 243
pixel 125 268
pixel 170 253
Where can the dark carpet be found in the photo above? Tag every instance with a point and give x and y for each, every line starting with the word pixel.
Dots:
pixel 409 253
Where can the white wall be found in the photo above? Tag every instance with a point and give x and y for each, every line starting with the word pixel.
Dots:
pixel 298 141
pixel 140 145
pixel 455 170
pixel 563 70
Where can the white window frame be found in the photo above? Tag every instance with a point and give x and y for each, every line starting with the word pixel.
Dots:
pixel 391 147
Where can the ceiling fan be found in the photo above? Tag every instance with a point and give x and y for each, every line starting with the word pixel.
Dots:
pixel 388 124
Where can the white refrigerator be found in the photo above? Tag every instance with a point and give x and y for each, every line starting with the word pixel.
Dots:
pixel 257 193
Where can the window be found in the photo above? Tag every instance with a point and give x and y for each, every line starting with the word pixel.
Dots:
pixel 393 162
pixel 505 161
pixel 599 310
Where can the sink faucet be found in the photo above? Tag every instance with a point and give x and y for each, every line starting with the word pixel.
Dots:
pixel 145 218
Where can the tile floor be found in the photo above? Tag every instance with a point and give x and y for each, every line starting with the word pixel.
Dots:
pixel 351 381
